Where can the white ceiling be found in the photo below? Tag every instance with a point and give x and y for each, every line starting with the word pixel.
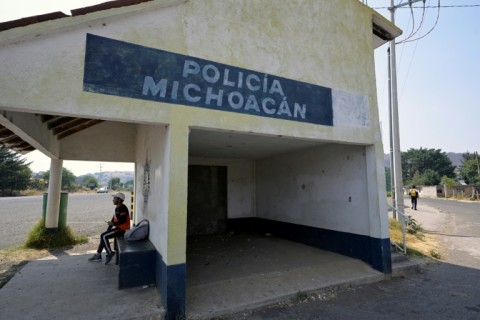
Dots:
pixel 230 144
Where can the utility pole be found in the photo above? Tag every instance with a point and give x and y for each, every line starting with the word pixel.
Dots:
pixel 100 175
pixel 478 166
pixel 397 161
pixel 395 128
pixel 392 177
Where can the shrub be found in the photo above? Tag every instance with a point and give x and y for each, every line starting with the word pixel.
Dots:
pixel 39 238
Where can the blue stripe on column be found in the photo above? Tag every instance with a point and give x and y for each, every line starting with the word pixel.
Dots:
pixel 171 284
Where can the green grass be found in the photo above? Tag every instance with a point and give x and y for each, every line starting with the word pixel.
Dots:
pixel 39 238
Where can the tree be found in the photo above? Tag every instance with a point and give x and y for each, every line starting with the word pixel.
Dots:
pixel 89 181
pixel 128 185
pixel 68 179
pixel 430 178
pixel 115 184
pixel 428 164
pixel 14 172
pixel 470 168
pixel 449 182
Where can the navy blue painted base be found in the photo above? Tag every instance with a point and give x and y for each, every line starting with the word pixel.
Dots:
pixel 373 251
pixel 171 284
pixel 136 263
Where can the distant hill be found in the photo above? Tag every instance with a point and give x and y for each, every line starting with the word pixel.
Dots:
pixel 456 158
pixel 104 176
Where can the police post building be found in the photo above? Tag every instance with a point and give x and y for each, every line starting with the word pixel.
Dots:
pixel 239 116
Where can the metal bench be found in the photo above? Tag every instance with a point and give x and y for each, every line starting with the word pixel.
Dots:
pixel 137 263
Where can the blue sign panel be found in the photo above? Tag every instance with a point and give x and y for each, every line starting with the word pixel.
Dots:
pixel 123 69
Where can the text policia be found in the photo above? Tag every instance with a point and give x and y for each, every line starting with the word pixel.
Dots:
pixel 262 95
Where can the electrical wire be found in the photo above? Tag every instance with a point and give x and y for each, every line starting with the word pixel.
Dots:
pixel 422 20
pixel 413 23
pixel 445 6
pixel 410 36
pixel 429 31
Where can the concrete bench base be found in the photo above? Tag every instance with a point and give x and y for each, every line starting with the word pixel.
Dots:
pixel 137 261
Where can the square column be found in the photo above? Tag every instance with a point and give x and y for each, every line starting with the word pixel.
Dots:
pixel 173 266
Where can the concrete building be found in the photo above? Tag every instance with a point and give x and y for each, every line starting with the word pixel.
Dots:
pixel 237 114
pixel 462 191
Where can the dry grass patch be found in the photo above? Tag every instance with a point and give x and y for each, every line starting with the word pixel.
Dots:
pixel 418 243
pixel 39 244
pixel 13 259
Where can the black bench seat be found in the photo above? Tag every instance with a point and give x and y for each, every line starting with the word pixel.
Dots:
pixel 136 260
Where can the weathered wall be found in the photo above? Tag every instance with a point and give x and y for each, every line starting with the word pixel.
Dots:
pixel 102 142
pixel 323 187
pixel 46 73
pixel 151 186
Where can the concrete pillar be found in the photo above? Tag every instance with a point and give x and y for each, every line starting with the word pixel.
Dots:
pixel 174 271
pixel 378 213
pixel 54 189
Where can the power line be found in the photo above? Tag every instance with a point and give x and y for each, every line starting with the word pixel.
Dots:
pixel 442 6
pixel 429 31
pixel 414 32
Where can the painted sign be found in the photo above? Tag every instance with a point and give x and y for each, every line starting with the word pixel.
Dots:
pixel 123 69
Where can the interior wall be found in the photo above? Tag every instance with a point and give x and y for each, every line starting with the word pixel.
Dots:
pixel 240 184
pixel 106 141
pixel 151 185
pixel 323 187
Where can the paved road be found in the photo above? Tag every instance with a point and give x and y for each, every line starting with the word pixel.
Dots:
pixel 445 290
pixel 460 234
pixel 86 214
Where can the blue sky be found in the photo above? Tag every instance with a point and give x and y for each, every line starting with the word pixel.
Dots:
pixel 438 76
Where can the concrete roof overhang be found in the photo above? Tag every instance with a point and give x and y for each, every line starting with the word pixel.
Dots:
pixel 383 30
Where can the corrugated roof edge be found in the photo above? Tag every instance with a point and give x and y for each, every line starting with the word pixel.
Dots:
pixel 75 12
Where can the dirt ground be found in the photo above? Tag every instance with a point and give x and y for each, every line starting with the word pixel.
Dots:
pixel 12 260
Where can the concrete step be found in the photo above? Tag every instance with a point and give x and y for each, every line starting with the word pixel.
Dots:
pixel 398 257
pixel 405 267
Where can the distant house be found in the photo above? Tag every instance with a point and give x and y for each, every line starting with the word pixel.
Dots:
pixel 462 191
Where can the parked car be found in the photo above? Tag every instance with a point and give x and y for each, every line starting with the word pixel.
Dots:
pixel 102 190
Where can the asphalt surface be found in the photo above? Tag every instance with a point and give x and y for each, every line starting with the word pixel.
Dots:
pixel 442 291
pixel 86 215
pixel 460 234
pixel 448 289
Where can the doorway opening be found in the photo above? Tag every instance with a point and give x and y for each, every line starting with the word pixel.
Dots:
pixel 207 200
